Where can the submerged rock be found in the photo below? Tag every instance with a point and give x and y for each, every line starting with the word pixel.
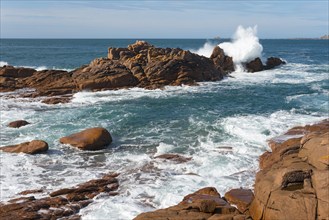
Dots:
pixel 33 147
pixel 18 123
pixel 56 100
pixel 89 139
pixel 174 157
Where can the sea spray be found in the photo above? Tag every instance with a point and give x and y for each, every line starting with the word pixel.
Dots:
pixel 244 47
pixel 3 63
pixel 206 50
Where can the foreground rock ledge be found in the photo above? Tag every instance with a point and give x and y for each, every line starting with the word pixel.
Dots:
pixel 139 65
pixel 61 204
pixel 89 139
pixel 294 177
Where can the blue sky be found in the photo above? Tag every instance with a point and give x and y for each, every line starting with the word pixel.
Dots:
pixel 161 19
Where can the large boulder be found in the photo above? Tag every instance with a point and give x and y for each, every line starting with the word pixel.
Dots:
pixel 89 139
pixel 33 147
pixel 18 123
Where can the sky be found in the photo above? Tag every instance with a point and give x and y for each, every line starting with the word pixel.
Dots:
pixel 161 19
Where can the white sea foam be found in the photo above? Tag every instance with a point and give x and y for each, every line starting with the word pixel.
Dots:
pixel 206 50
pixel 3 63
pixel 164 148
pixel 37 68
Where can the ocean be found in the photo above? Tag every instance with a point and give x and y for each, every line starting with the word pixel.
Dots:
pixel 224 126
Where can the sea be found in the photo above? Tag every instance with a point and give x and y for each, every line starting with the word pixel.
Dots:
pixel 223 126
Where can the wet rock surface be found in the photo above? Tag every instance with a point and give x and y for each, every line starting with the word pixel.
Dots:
pixel 33 147
pixel 89 139
pixel 61 204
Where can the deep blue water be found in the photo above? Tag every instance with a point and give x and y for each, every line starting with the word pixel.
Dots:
pixel 241 112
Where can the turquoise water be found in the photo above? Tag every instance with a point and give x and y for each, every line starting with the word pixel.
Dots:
pixel 241 112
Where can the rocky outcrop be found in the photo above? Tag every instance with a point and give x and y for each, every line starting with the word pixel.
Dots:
pixel 61 204
pixel 89 139
pixel 222 62
pixel 153 67
pixel 203 204
pixel 256 65
pixel 294 177
pixel 139 65
pixel 33 147
pixel 18 123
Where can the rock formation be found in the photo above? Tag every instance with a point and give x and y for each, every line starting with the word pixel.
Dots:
pixel 294 177
pixel 33 147
pixel 61 204
pixel 89 139
pixel 139 65
pixel 256 65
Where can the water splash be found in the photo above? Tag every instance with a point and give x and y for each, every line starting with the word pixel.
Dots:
pixel 244 47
